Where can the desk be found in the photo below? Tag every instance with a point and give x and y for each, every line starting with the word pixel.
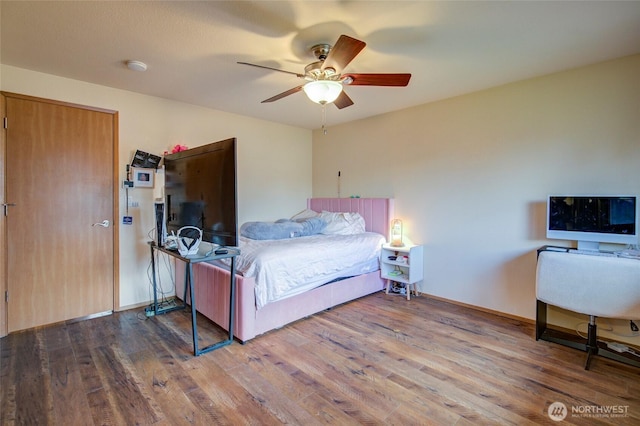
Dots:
pixel 202 256
pixel 592 285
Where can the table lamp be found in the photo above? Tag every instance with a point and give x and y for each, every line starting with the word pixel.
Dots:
pixel 396 233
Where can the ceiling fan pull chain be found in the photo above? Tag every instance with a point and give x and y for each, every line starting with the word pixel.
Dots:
pixel 324 120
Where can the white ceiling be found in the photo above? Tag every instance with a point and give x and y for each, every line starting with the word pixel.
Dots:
pixel 192 48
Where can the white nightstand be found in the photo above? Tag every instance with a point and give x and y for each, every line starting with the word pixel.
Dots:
pixel 408 272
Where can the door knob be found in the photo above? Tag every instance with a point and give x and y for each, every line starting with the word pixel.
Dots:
pixel 104 224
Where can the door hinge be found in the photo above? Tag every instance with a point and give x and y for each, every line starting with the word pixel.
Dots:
pixel 6 296
pixel 4 122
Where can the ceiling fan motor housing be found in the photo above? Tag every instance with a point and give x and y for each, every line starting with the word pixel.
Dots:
pixel 321 51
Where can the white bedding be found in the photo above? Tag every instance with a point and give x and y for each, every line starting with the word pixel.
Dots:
pixel 284 268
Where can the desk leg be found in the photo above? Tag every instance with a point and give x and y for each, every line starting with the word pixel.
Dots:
pixel 232 298
pixel 153 274
pixel 194 325
pixel 186 283
pixel 541 319
pixel 232 307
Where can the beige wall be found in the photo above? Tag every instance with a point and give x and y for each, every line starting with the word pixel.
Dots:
pixel 274 161
pixel 470 174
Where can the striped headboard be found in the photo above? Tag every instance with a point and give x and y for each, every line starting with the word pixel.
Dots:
pixel 377 212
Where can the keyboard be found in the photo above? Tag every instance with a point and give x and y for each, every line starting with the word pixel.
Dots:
pixel 593 253
pixel 629 254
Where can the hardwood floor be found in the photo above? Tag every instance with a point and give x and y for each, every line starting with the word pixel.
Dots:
pixel 378 360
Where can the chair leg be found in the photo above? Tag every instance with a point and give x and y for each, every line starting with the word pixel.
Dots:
pixel 592 341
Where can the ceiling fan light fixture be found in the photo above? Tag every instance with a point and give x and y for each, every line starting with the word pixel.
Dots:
pixel 323 91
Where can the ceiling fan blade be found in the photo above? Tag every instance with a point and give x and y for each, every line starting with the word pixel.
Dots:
pixel 378 79
pixel 272 69
pixel 343 100
pixel 283 94
pixel 343 52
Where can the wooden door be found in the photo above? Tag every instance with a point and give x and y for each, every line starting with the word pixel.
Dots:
pixel 59 183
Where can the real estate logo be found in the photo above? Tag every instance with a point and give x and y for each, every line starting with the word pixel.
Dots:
pixel 557 411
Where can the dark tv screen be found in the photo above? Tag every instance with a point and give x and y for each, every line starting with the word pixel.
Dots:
pixel 200 191
pixel 610 215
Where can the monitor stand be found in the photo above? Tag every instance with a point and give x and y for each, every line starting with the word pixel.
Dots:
pixel 589 245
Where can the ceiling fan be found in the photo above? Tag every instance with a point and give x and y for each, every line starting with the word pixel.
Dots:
pixel 325 81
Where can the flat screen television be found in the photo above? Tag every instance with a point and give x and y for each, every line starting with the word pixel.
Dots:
pixel 591 220
pixel 200 191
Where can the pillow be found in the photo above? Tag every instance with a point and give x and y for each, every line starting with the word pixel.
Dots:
pixel 343 223
pixel 312 226
pixel 305 214
pixel 271 230
pixel 282 228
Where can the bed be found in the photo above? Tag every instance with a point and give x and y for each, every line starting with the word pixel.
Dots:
pixel 254 317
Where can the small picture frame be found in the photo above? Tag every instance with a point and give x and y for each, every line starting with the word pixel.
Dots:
pixel 143 178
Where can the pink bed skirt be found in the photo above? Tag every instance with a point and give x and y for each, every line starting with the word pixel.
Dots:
pixel 212 299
